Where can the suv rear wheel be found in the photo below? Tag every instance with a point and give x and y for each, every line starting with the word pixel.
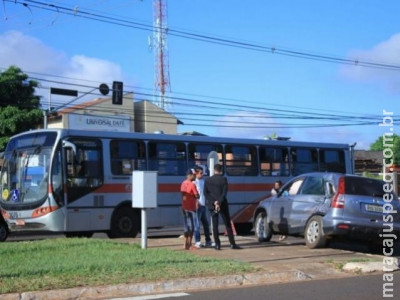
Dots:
pixel 314 234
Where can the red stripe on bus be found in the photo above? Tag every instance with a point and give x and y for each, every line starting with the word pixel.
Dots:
pixel 114 188
pixel 175 187
pixel 169 187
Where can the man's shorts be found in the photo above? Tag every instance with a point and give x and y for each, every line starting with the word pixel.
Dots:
pixel 188 221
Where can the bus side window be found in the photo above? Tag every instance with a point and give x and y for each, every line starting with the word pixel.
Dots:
pixel 167 158
pixel 332 161
pixel 274 161
pixel 127 156
pixel 304 161
pixel 241 160
pixel 198 153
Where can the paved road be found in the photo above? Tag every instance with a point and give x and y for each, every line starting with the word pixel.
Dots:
pixel 365 287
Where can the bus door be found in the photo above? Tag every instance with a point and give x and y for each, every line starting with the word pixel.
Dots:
pixel 84 174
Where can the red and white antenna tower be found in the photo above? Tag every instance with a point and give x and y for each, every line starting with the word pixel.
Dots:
pixel 161 66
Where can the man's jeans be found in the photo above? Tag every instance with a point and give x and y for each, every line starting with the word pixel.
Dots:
pixel 202 216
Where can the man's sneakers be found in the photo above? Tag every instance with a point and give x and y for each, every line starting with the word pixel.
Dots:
pixel 199 245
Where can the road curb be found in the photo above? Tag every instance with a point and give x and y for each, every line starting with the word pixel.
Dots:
pixel 388 264
pixel 191 284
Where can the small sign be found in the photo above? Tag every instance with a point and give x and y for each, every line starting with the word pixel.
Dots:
pixel 64 92
pixel 15 196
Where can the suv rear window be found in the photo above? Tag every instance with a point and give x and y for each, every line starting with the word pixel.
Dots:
pixel 363 186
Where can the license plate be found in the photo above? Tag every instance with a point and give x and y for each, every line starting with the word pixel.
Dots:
pixel 374 208
pixel 20 222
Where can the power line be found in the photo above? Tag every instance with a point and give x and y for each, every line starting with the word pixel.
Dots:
pixel 151 92
pixel 184 101
pixel 229 120
pixel 278 113
pixel 204 37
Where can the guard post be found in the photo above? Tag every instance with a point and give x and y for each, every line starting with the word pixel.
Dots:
pixel 144 196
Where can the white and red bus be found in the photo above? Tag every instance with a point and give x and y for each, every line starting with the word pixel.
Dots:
pixel 80 182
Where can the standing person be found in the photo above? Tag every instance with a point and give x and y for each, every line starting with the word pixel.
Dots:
pixel 202 212
pixel 189 206
pixel 215 191
pixel 274 192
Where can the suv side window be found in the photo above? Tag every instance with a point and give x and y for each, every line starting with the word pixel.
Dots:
pixel 313 186
pixel 293 188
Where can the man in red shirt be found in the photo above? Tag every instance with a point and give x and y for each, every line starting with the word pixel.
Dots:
pixel 189 207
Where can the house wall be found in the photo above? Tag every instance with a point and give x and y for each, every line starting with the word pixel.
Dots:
pixel 150 118
pixel 104 109
pixel 141 116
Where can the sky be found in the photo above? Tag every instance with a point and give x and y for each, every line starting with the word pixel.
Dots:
pixel 252 89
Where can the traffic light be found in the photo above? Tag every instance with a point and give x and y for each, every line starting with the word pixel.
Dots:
pixel 117 90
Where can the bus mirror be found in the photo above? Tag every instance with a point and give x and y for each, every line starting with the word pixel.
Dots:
pixel 67 144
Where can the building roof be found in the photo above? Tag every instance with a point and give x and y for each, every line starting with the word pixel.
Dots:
pixel 84 105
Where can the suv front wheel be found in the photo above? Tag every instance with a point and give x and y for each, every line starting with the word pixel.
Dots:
pixel 314 234
pixel 262 229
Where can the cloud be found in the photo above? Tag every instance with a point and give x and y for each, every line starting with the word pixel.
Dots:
pixel 32 55
pixel 81 66
pixel 29 53
pixel 386 52
pixel 249 125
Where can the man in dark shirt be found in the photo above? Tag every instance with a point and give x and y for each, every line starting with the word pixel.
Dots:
pixel 215 191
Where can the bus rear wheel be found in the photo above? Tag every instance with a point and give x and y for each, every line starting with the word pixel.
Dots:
pixel 125 223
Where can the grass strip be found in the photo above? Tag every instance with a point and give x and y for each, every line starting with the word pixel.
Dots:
pixel 64 263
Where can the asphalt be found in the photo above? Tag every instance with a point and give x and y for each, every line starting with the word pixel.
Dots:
pixel 275 262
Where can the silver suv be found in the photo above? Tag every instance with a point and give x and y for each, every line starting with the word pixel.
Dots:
pixel 322 206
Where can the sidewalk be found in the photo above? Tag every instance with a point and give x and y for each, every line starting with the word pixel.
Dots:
pixel 275 262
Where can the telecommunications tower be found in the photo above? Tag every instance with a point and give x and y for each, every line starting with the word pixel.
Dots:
pixel 161 67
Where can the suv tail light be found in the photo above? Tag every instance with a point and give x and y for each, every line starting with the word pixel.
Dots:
pixel 338 199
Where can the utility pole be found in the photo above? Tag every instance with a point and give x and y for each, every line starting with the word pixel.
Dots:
pixel 161 66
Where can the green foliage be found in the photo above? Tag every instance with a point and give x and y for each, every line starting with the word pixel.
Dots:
pixel 388 142
pixel 63 263
pixel 19 107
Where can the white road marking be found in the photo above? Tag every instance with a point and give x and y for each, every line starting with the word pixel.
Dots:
pixel 151 297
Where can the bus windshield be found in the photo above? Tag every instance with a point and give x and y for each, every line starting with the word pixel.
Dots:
pixel 25 171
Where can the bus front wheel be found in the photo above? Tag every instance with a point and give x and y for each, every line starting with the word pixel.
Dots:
pixel 125 223
pixel 3 230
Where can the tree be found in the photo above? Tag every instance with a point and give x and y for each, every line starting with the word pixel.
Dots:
pixel 19 107
pixel 391 142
